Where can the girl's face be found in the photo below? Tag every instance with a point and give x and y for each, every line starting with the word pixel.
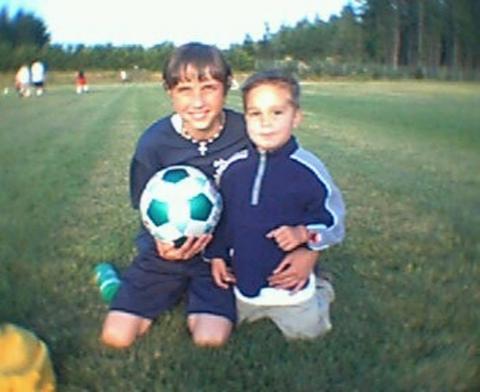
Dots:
pixel 270 116
pixel 199 102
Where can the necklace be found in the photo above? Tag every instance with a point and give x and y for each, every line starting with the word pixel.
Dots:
pixel 203 143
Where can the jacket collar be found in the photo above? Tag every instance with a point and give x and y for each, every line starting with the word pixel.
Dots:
pixel 286 150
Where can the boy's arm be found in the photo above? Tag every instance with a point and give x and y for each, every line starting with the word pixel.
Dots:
pixel 324 216
pixel 220 245
pixel 325 221
pixel 316 236
pixel 222 275
pixel 323 227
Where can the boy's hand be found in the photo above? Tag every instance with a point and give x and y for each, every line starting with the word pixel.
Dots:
pixel 190 248
pixel 293 272
pixel 289 237
pixel 222 275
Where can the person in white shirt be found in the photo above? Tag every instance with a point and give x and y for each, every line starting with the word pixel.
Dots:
pixel 22 81
pixel 38 77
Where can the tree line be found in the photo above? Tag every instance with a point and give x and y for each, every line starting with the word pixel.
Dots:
pixel 370 38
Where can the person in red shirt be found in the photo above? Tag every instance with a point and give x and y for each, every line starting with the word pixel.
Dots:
pixel 81 82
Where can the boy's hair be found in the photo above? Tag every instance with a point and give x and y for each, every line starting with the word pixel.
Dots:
pixel 203 58
pixel 274 77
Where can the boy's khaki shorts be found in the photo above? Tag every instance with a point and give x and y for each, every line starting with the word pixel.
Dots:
pixel 306 320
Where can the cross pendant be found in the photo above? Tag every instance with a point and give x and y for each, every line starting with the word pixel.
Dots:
pixel 202 148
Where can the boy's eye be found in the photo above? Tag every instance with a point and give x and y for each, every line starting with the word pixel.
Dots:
pixel 253 114
pixel 278 112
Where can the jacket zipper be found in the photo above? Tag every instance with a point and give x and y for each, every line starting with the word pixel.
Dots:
pixel 257 183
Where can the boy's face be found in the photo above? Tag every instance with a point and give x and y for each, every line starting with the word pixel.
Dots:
pixel 199 102
pixel 270 116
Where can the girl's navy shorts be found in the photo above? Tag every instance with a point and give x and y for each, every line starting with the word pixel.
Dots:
pixel 151 285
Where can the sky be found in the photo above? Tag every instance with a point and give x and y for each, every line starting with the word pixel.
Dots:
pixel 150 22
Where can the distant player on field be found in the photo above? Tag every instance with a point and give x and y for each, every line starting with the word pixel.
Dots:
pixel 38 77
pixel 81 82
pixel 123 76
pixel 22 81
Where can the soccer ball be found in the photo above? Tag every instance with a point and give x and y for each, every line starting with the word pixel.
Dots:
pixel 179 202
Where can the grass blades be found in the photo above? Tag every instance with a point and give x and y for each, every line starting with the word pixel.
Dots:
pixel 405 154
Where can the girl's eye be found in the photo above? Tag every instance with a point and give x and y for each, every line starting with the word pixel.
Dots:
pixel 210 87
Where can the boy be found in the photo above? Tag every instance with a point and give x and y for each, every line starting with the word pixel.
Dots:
pixel 278 197
pixel 203 134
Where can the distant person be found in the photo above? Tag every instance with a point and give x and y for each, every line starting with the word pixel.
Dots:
pixel 22 81
pixel 277 197
pixel 81 82
pixel 235 85
pixel 123 76
pixel 38 77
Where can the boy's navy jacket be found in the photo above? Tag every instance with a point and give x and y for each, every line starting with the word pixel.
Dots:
pixel 263 191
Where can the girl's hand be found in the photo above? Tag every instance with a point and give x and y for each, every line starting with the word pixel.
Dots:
pixel 293 271
pixel 191 247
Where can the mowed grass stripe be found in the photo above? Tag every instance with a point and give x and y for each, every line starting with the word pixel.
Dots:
pixel 105 203
pixel 55 155
pixel 47 153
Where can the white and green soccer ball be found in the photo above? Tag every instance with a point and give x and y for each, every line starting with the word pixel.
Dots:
pixel 179 202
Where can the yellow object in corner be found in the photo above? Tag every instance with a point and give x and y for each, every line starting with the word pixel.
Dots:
pixel 25 365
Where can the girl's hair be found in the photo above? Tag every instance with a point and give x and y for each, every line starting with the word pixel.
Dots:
pixel 205 59
pixel 272 77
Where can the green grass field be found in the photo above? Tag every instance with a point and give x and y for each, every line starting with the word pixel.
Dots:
pixel 406 317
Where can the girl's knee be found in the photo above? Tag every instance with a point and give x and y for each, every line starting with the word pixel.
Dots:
pixel 202 339
pixel 117 339
pixel 120 330
pixel 210 331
